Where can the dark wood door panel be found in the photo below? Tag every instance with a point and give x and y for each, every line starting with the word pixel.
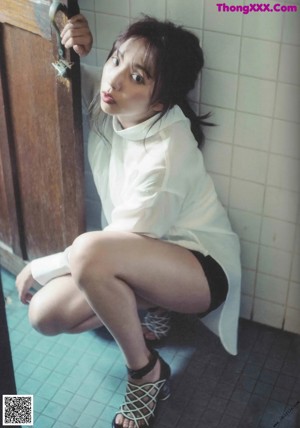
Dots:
pixel 41 169
pixel 31 15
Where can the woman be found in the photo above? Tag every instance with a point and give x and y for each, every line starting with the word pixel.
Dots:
pixel 168 242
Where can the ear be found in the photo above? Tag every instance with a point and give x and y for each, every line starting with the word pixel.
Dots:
pixel 158 107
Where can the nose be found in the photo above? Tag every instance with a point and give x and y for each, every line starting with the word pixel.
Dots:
pixel 116 78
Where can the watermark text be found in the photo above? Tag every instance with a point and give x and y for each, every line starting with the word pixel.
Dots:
pixel 256 7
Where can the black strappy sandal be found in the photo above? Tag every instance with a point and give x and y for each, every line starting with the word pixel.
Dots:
pixel 141 400
pixel 158 322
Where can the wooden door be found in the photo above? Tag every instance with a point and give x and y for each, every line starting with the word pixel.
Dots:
pixel 41 148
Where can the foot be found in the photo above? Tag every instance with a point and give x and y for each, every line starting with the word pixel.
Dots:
pixel 157 324
pixel 151 377
pixel 142 396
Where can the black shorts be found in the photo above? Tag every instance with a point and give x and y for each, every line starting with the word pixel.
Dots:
pixel 216 278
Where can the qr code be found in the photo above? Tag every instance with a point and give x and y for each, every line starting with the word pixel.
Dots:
pixel 17 410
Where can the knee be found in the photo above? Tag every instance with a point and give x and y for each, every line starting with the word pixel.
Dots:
pixel 42 319
pixel 88 256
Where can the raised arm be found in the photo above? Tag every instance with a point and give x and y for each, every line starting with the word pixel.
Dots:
pixel 77 35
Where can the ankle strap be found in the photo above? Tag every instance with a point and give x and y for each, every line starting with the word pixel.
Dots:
pixel 138 374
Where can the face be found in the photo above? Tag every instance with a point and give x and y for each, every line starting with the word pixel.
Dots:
pixel 127 84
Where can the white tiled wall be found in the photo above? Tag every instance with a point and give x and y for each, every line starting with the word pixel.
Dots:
pixel 251 84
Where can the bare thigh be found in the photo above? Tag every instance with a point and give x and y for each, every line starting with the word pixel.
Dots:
pixel 60 307
pixel 160 273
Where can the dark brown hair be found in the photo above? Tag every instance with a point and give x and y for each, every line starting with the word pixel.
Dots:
pixel 177 58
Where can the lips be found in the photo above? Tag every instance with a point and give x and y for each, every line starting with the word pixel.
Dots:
pixel 107 98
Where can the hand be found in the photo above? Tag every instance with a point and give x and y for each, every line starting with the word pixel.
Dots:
pixel 77 35
pixel 23 283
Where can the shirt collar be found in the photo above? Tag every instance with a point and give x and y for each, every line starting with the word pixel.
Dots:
pixel 150 127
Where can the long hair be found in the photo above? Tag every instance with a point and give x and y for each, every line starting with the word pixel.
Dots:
pixel 177 59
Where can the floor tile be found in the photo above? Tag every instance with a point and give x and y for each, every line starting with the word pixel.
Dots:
pixel 78 381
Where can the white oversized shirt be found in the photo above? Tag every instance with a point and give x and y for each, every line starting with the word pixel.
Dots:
pixel 151 180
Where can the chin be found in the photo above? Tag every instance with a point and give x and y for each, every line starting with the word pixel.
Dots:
pixel 107 108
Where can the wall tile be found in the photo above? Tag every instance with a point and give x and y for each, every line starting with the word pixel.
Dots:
pixel 291 28
pixel 265 26
pixel 221 51
pixel 90 16
pixel 256 96
pixel 274 262
pixel 246 196
pixel 218 88
pixel 271 288
pixel 91 58
pixel 281 204
pixel 246 307
pixel 278 234
pixel 213 151
pixel 223 22
pixel 249 255
pixel 292 321
pixel 108 28
pixel 102 55
pixel 190 14
pixel 252 131
pixel 249 164
pixel 294 295
pixel 223 120
pixel 248 281
pixel 297 240
pixel 112 7
pixel 284 172
pixel 268 313
pixel 87 5
pixel 259 58
pixel 289 69
pixel 285 138
pixel 195 107
pixel 194 94
pixel 246 225
pixel 295 271
pixel 156 8
pixel 249 147
pixel 288 102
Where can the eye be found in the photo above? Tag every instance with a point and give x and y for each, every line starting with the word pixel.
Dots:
pixel 138 78
pixel 115 60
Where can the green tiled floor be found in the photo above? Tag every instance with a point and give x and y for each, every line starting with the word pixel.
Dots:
pixel 78 381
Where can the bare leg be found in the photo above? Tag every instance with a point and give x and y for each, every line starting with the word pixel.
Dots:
pixel 113 269
pixel 60 307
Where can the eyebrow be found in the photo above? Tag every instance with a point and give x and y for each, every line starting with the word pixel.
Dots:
pixel 135 65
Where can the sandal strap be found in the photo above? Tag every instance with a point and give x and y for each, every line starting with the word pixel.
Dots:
pixel 138 374
pixel 135 408
pixel 158 323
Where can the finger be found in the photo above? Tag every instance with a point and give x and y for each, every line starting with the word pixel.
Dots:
pixel 80 50
pixel 25 299
pixel 75 22
pixel 72 34
pixel 77 18
pixel 73 29
pixel 28 298
pixel 77 41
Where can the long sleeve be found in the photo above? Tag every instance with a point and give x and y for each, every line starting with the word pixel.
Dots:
pixel 46 268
